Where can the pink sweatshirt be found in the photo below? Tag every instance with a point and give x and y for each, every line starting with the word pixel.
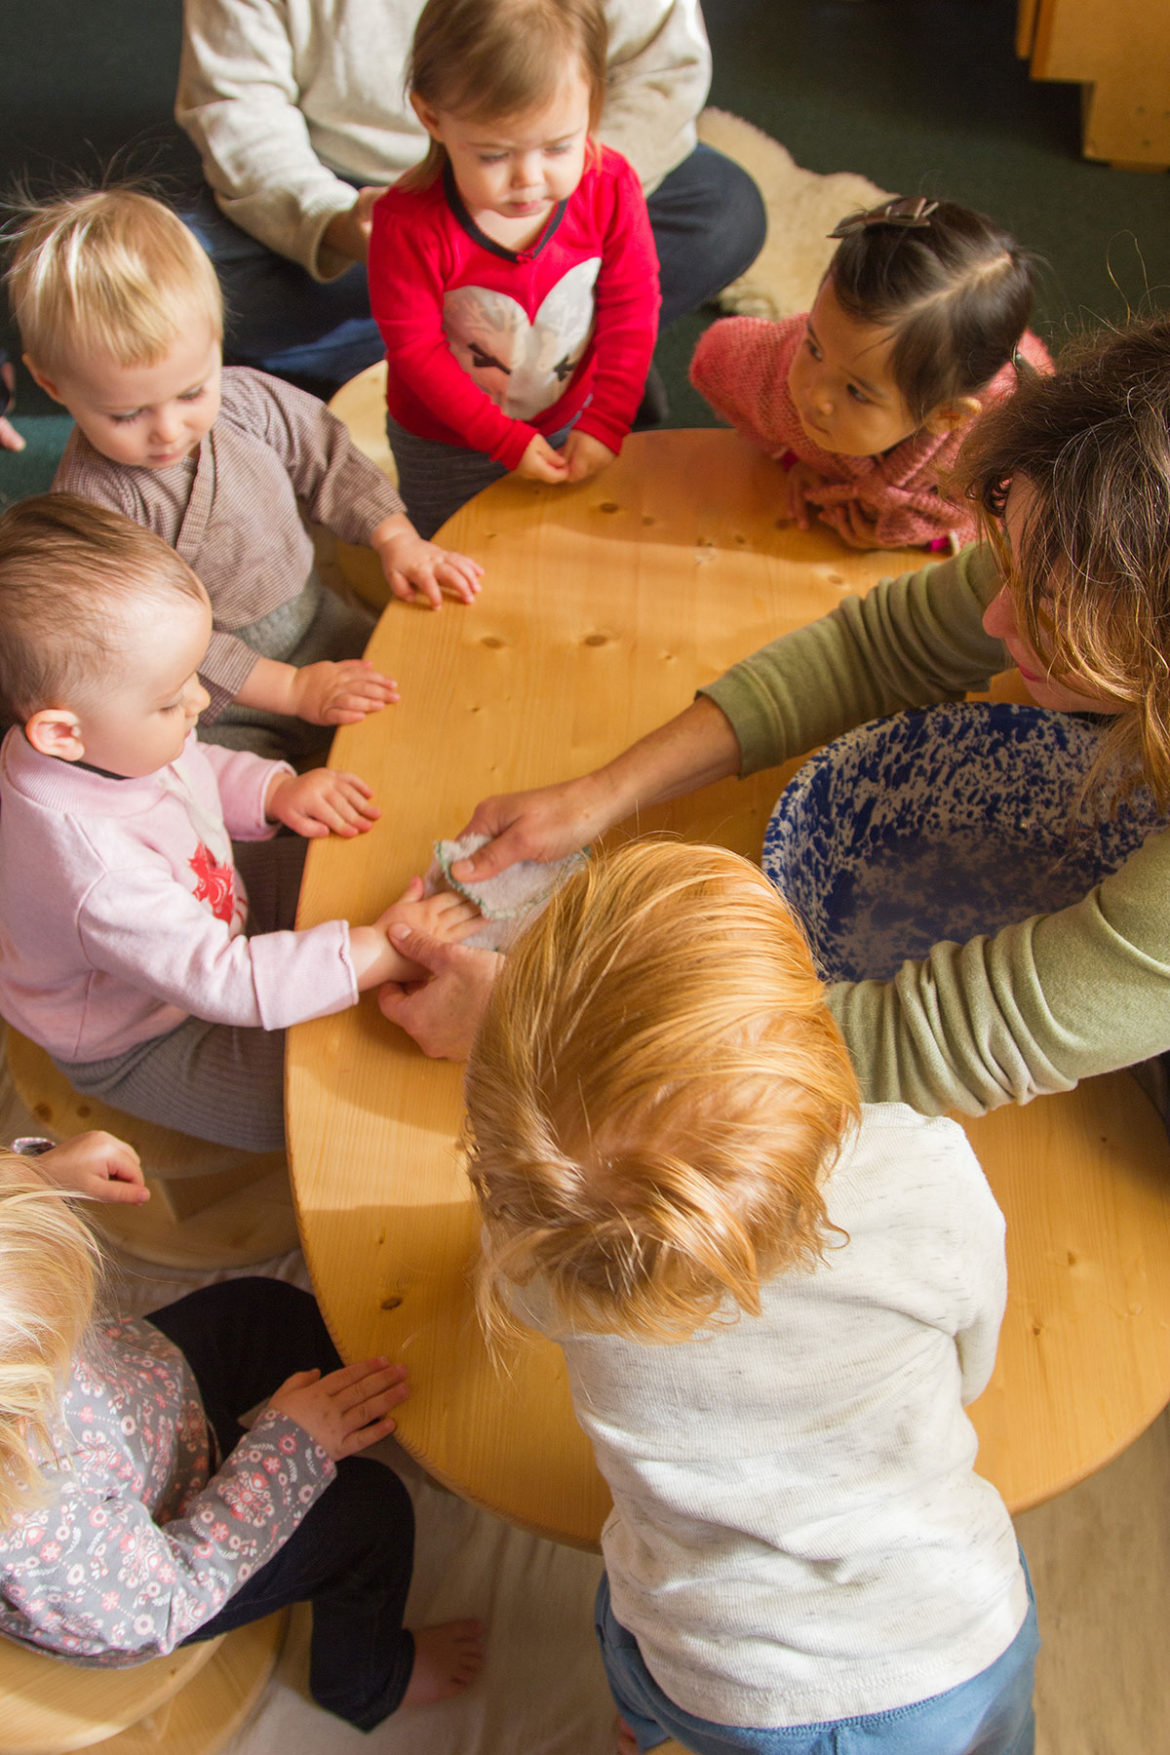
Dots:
pixel 122 913
pixel 741 366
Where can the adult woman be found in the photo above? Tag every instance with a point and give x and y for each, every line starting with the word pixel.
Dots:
pixel 1080 466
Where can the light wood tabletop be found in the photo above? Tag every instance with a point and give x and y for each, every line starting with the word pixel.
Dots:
pixel 604 607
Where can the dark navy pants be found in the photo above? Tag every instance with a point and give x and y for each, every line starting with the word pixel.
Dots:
pixel 352 1554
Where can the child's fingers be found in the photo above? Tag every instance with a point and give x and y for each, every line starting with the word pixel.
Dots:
pixel 354 782
pixel 424 586
pixel 360 805
pixel 122 1193
pixel 364 1437
pixel 371 1400
pixel 412 892
pixel 450 906
pixel 301 823
pixel 339 1381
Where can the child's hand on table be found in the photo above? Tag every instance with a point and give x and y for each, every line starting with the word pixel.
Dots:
pixel 325 801
pixel 585 456
pixel 859 528
pixel 96 1166
pixel 796 484
pixel 346 1410
pixel 447 917
pixel 541 463
pixel 418 571
pixel 338 694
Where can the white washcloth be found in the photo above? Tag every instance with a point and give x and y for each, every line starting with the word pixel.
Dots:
pixel 509 901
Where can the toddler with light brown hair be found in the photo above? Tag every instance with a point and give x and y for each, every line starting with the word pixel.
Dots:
pixel 774 1304
pixel 121 318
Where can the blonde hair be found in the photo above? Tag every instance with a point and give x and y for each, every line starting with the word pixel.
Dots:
pixel 655 1093
pixel 486 59
pixel 50 1269
pixel 112 272
pixel 69 571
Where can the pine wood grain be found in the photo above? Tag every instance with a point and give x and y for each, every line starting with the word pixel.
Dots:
pixel 604 607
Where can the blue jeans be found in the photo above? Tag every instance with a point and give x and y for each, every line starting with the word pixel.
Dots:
pixel 989 1715
pixel 708 219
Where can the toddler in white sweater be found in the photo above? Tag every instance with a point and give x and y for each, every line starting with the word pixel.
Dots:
pixel 129 946
pixel 773 1304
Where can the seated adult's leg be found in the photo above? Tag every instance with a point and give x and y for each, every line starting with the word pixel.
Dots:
pixel 277 317
pixel 709 226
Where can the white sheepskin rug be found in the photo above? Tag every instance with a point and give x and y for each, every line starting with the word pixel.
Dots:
pixel 802 209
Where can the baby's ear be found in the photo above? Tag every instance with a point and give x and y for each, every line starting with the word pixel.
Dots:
pixel 41 378
pixel 55 731
pixel 948 416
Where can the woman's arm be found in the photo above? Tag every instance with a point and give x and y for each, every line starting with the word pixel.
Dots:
pixel 913 640
pixel 1036 1008
pixel 549 823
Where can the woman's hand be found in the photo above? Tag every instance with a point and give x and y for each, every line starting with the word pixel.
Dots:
pixel 443 1013
pixel 546 824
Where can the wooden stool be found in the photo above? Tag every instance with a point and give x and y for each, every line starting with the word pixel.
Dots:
pixel 361 404
pixel 189 1703
pixel 210 1206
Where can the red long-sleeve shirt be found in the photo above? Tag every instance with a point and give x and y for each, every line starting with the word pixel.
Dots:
pixel 486 346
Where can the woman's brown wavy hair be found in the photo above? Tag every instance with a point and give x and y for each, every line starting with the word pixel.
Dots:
pixel 1091 573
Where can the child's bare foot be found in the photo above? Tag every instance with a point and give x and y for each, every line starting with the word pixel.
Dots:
pixel 447 1659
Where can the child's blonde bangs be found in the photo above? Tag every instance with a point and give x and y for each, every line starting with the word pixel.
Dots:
pixel 654 1097
pixel 50 1267
pixel 112 272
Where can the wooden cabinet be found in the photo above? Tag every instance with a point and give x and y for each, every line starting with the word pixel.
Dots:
pixel 1120 53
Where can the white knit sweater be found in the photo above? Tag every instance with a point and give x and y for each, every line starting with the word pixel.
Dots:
pixel 291 102
pixel 798 1534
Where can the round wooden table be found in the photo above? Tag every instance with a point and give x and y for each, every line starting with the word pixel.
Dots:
pixel 604 607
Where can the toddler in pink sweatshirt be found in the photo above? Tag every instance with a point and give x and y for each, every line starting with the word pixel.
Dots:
pixel 865 400
pixel 130 947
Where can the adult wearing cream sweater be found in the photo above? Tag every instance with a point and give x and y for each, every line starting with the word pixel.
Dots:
pixel 298 110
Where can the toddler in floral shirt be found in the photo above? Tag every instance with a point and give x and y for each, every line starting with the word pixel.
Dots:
pixel 137 1514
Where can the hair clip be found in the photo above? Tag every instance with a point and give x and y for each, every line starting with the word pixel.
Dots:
pixel 911 212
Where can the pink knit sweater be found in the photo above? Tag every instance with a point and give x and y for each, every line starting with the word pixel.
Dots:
pixel 122 914
pixel 741 367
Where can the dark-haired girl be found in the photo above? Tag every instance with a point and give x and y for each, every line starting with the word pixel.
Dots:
pixel 919 323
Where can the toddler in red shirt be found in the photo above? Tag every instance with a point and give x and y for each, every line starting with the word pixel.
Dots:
pixel 513 273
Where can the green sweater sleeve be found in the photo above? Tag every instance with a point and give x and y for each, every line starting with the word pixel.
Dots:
pixel 1041 1004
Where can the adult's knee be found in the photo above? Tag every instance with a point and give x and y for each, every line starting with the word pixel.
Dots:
pixel 709 223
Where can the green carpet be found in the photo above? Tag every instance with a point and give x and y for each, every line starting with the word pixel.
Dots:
pixel 922 96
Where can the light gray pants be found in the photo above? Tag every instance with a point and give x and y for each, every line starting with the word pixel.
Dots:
pixel 221 1082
